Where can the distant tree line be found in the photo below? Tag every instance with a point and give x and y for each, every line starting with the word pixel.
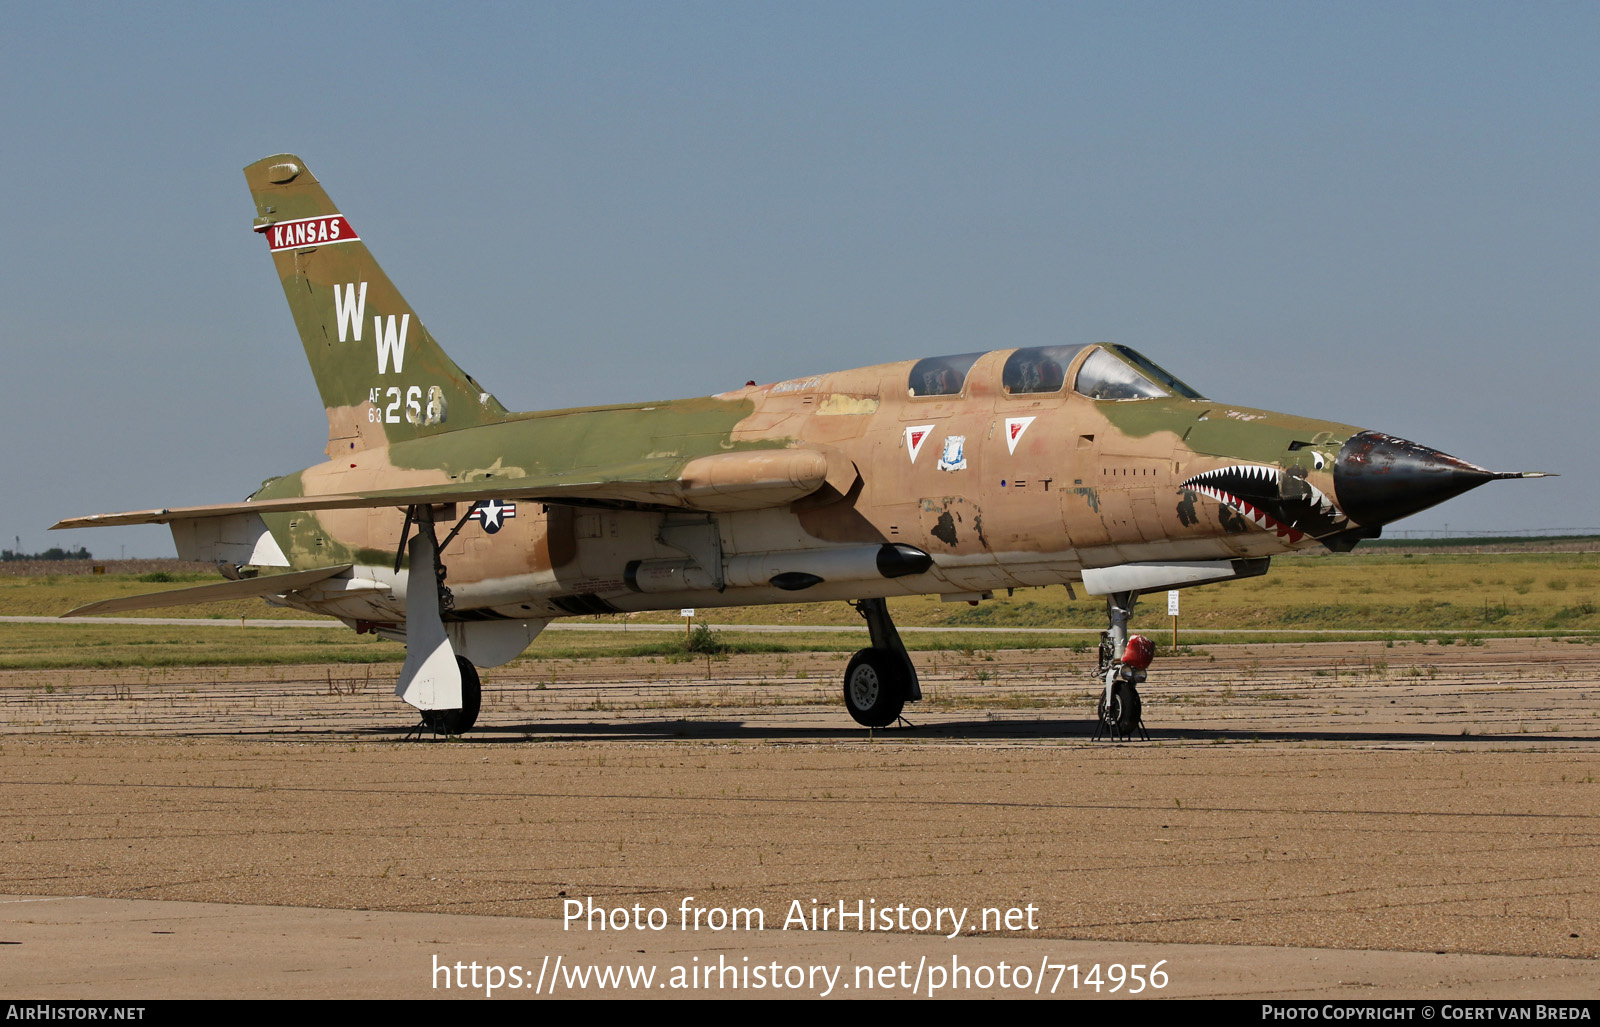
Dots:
pixel 7 555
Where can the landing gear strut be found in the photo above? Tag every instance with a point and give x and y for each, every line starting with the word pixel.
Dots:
pixel 443 685
pixel 880 680
pixel 1122 669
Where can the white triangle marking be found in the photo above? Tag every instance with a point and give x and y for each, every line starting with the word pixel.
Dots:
pixel 915 437
pixel 1015 426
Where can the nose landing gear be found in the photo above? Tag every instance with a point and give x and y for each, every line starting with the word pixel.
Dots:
pixel 1122 667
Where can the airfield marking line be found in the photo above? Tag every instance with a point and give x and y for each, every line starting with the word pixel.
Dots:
pixel 773 628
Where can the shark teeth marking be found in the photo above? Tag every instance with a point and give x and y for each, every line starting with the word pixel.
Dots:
pixel 1252 513
pixel 1265 485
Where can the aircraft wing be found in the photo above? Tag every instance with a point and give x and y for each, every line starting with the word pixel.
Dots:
pixel 244 588
pixel 749 480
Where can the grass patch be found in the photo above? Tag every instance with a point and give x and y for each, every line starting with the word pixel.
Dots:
pixel 53 595
pixel 1453 598
pixel 39 646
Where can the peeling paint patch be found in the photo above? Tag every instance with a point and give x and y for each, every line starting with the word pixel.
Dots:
pixel 1186 515
pixel 945 529
pixel 1090 496
pixel 838 403
pixel 1231 522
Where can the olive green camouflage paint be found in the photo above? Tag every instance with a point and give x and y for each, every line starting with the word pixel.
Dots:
pixel 1014 486
pixel 348 370
pixel 957 476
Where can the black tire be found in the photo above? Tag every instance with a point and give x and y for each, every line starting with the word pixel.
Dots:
pixel 874 688
pixel 1123 716
pixel 459 722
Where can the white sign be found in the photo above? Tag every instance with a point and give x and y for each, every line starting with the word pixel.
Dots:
pixel 688 612
pixel 1172 603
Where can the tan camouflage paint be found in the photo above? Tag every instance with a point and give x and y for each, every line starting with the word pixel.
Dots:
pixel 1089 483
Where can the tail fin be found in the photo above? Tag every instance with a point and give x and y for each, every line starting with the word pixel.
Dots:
pixel 382 376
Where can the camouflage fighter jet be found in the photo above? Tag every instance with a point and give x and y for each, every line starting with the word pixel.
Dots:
pixel 951 475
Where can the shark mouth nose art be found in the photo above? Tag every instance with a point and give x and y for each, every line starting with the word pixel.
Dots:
pixel 1271 498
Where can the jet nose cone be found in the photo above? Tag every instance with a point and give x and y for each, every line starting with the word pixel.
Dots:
pixel 1378 478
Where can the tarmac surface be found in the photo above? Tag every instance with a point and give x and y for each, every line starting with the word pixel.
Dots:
pixel 1306 820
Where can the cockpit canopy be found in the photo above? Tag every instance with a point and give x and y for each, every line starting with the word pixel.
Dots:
pixel 1121 372
pixel 941 376
pixel 1108 371
pixel 1037 369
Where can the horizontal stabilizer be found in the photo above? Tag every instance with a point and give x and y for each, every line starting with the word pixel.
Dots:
pixel 247 588
pixel 750 480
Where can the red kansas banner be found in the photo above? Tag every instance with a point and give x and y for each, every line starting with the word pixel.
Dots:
pixel 321 231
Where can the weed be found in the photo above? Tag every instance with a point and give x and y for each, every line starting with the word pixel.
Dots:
pixel 703 641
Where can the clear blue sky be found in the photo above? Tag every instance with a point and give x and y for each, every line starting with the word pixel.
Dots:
pixel 1384 214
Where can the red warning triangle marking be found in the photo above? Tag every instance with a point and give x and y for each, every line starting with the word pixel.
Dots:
pixel 915 437
pixel 1015 426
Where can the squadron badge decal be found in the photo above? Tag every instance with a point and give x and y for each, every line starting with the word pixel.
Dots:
pixel 954 457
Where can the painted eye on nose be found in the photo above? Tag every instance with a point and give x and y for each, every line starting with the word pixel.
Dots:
pixel 1317 461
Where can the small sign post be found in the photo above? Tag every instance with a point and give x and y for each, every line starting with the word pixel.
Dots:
pixel 687 613
pixel 1172 611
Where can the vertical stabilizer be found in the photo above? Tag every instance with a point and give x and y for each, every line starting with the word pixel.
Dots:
pixel 382 376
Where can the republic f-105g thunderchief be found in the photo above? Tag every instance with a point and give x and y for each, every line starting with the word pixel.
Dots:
pixel 951 475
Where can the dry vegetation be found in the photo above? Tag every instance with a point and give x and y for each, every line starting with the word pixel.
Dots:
pixel 1452 597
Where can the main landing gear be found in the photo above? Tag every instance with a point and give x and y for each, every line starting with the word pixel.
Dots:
pixel 1123 662
pixel 445 687
pixel 880 680
pixel 458 721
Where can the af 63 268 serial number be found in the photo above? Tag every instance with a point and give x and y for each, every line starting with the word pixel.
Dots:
pixel 413 406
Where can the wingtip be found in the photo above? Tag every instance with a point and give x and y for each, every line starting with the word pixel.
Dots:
pixel 105 519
